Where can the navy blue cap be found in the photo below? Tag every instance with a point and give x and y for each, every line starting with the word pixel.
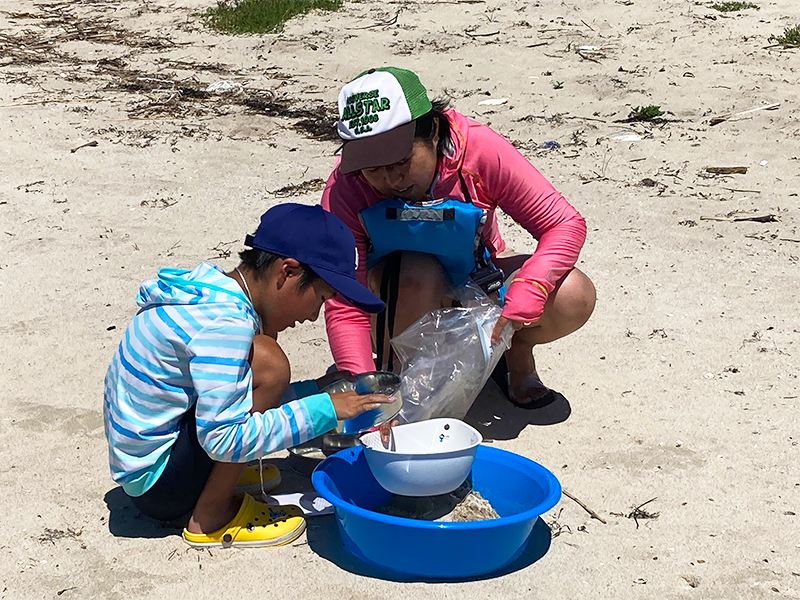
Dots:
pixel 319 239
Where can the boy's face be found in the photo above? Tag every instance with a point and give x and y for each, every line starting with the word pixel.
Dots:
pixel 304 305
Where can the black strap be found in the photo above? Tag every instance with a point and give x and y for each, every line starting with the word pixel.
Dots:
pixel 464 188
pixel 390 286
pixel 480 259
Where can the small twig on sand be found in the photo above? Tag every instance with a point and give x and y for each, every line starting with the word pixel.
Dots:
pixel 738 190
pixel 52 100
pixel 59 592
pixel 584 507
pixel 563 116
pixel 31 184
pixel 721 118
pixel 757 218
pixel 584 118
pixel 92 144
pixel 222 250
pixel 556 528
pixel 638 513
pixel 585 56
pixel 727 170
pixel 391 21
pixel 760 219
pixel 474 35
pixel 781 46
pixel 174 247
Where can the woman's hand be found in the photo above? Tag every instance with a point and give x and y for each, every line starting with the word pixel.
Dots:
pixel 349 404
pixel 502 321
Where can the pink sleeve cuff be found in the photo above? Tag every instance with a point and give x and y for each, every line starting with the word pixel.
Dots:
pixel 525 300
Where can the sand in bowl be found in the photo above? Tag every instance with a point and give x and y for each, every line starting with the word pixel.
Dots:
pixel 459 506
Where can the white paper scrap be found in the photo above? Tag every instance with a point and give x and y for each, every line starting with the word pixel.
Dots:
pixel 311 503
pixel 627 137
pixel 493 101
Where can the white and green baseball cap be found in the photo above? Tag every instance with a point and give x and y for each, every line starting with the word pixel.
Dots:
pixel 377 111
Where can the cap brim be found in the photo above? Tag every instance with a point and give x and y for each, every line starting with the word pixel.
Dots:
pixel 351 290
pixel 378 150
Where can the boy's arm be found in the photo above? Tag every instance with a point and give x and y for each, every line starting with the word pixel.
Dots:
pixel 222 380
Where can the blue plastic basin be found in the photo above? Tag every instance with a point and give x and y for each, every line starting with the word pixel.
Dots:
pixel 518 489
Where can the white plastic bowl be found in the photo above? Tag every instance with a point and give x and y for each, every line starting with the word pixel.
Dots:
pixel 423 459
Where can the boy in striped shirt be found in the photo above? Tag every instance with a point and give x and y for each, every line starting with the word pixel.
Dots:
pixel 199 386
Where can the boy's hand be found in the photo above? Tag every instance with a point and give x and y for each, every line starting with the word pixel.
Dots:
pixel 330 378
pixel 386 432
pixel 349 404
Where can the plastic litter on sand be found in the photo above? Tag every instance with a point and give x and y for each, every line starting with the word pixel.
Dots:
pixel 627 137
pixel 459 506
pixel 224 87
pixel 493 102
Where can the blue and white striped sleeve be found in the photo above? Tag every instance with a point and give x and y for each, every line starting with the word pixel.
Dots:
pixel 221 376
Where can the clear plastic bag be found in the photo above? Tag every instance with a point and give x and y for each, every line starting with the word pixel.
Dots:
pixel 447 357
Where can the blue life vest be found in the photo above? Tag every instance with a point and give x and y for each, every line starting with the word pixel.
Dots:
pixel 450 230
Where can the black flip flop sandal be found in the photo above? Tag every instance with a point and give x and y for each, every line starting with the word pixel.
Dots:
pixel 500 377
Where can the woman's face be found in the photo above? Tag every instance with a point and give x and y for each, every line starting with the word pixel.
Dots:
pixel 409 178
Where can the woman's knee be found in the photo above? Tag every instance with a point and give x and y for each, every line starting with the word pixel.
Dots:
pixel 422 276
pixel 567 309
pixel 422 280
pixel 575 298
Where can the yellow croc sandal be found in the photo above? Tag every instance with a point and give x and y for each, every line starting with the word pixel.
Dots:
pixel 253 476
pixel 255 525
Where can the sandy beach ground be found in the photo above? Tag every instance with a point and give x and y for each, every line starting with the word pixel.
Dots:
pixel 682 388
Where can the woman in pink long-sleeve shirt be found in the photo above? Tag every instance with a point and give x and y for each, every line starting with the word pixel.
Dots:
pixel 399 144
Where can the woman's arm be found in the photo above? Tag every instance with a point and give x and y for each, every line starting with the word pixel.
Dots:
pixel 348 327
pixel 508 180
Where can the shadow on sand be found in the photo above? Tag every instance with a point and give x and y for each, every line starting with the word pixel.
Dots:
pixel 497 419
pixel 125 520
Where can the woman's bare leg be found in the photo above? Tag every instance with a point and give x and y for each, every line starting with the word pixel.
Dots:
pixel 567 309
pixel 423 287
